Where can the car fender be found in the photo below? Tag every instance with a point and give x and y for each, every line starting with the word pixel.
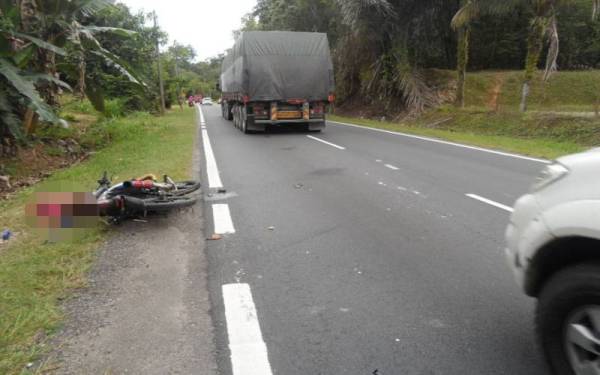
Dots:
pixel 576 218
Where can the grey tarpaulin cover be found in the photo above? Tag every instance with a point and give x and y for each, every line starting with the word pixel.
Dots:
pixel 279 65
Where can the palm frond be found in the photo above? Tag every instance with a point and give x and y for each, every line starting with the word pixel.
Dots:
pixel 473 9
pixel 353 10
pixel 416 93
pixel 465 15
pixel 88 8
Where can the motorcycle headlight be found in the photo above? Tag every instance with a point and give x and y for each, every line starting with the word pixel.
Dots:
pixel 549 175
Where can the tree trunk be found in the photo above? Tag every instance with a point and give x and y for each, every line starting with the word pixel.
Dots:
pixel 30 122
pixel 534 50
pixel 464 35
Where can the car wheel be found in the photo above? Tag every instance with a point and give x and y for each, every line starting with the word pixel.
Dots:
pixel 568 321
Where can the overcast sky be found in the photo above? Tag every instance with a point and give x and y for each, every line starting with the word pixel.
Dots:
pixel 206 25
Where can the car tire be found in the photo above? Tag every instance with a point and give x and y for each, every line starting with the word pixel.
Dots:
pixel 567 294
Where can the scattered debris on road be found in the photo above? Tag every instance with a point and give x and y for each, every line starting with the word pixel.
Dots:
pixel 271 228
pixel 215 237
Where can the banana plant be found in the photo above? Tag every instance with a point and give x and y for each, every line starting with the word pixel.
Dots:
pixel 65 23
pixel 38 36
pixel 17 51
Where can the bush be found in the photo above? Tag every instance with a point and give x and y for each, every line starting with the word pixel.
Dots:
pixel 114 108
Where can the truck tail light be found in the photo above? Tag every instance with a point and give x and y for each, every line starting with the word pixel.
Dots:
pixel 260 111
pixel 317 109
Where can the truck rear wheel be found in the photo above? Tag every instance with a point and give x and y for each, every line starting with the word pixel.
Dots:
pixel 244 124
pixel 236 117
pixel 229 113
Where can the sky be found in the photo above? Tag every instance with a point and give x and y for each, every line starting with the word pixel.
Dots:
pixel 206 25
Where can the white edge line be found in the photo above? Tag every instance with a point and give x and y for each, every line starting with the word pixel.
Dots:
pixel 212 171
pixel 249 354
pixel 327 143
pixel 392 167
pixel 202 119
pixel 222 219
pixel 516 156
pixel 490 202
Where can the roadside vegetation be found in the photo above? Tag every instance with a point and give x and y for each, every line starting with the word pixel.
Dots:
pixel 79 95
pixel 35 276
pixel 562 118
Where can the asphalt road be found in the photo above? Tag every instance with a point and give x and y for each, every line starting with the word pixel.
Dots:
pixel 364 255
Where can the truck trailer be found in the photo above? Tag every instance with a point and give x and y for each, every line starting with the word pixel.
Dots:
pixel 277 78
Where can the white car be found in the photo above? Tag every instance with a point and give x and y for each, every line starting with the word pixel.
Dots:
pixel 553 247
pixel 207 101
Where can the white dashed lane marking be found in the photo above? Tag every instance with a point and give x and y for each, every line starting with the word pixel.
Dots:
pixel 490 202
pixel 325 142
pixel 222 219
pixel 248 350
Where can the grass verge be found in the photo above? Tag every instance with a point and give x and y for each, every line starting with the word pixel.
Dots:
pixel 537 135
pixel 35 276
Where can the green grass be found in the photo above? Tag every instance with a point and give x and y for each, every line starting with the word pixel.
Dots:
pixel 35 276
pixel 565 91
pixel 545 131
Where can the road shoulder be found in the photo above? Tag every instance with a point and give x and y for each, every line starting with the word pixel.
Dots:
pixel 146 309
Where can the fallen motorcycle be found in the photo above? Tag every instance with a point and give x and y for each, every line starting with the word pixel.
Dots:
pixel 143 196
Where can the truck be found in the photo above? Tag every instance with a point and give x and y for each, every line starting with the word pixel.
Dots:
pixel 277 78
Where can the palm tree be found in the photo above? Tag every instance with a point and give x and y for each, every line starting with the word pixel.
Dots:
pixel 544 24
pixel 471 10
pixel 386 32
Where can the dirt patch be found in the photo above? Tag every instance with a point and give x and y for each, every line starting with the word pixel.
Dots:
pixel 39 161
pixel 44 154
pixel 494 96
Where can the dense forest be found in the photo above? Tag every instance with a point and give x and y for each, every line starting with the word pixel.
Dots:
pixel 383 49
